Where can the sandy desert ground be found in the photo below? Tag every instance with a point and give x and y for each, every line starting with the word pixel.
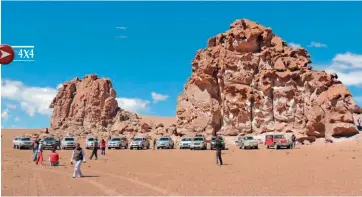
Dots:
pixel 320 169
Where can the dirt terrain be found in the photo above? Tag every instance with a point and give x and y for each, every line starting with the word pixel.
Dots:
pixel 319 169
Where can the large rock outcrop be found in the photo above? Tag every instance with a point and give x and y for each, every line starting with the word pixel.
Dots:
pixel 248 80
pixel 89 107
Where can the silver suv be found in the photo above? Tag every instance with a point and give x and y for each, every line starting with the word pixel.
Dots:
pixel 22 142
pixel 165 142
pixel 198 143
pixel 89 142
pixel 248 142
pixel 118 143
pixel 16 141
pixel 68 142
pixel 49 142
pixel 185 142
pixel 140 143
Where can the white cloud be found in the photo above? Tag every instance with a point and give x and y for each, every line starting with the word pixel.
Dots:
pixel 32 99
pixel 11 106
pixel 16 119
pixel 59 86
pixel 5 114
pixel 317 45
pixel 348 67
pixel 36 100
pixel 122 28
pixel 158 97
pixel 294 45
pixel 133 104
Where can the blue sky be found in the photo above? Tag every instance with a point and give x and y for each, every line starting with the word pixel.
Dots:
pixel 77 38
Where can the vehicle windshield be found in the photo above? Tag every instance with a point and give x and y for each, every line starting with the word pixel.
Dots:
pixel 278 137
pixel 214 139
pixel 164 139
pixel 186 139
pixel 69 139
pixel 49 139
pixel 25 139
pixel 116 139
pixel 249 138
pixel 90 139
pixel 138 139
pixel 198 139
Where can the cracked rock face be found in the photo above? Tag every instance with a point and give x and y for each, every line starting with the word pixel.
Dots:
pixel 248 80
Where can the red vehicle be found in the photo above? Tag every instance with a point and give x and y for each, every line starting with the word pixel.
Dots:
pixel 277 141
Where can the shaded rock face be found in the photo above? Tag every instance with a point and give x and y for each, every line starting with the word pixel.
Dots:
pixel 248 80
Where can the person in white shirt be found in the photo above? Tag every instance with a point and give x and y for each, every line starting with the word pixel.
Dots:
pixel 78 156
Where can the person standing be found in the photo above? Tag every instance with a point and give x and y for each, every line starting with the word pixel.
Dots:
pixel 40 153
pixel 78 156
pixel 154 143
pixel 94 151
pixel 35 149
pixel 218 146
pixel 103 147
pixel 54 158
pixel 294 139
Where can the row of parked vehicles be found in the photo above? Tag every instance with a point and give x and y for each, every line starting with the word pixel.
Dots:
pixel 199 142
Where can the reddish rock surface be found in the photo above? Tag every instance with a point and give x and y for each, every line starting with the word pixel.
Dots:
pixel 89 107
pixel 248 80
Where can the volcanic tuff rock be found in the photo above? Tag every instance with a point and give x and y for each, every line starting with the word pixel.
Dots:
pixel 89 107
pixel 248 80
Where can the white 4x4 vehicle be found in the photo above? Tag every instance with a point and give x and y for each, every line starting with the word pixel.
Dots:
pixel 68 142
pixel 198 142
pixel 140 143
pixel 16 141
pixel 118 143
pixel 89 142
pixel 22 142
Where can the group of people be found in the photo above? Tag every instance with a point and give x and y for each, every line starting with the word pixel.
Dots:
pixel 38 149
pixel 77 158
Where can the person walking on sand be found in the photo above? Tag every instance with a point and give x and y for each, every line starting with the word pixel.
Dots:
pixel 54 158
pixel 94 151
pixel 294 139
pixel 40 153
pixel 218 147
pixel 103 147
pixel 78 156
pixel 35 149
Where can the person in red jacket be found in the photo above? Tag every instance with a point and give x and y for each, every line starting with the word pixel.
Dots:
pixel 103 147
pixel 54 158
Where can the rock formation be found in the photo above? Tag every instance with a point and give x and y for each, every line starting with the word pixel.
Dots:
pixel 248 80
pixel 89 107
